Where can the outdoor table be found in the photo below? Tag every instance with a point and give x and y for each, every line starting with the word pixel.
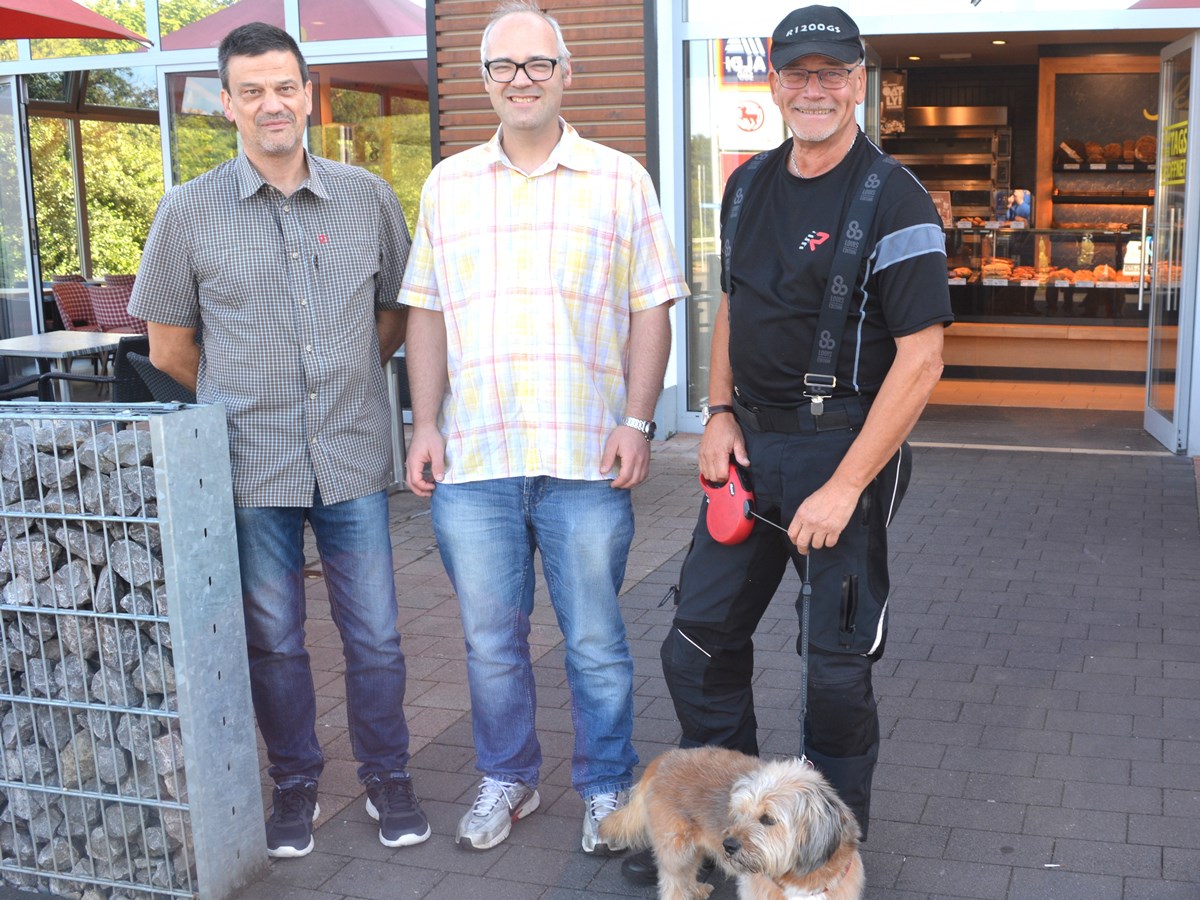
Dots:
pixel 60 347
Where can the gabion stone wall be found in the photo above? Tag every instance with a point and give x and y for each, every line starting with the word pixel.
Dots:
pixel 94 790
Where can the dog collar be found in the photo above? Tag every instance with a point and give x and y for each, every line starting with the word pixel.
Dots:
pixel 791 894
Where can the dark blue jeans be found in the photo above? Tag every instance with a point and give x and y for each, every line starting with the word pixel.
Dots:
pixel 356 555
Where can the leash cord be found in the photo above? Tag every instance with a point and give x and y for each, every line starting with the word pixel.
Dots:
pixel 805 603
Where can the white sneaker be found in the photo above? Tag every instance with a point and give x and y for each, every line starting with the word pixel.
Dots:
pixel 498 805
pixel 596 807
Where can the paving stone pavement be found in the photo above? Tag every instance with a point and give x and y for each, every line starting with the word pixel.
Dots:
pixel 1039 698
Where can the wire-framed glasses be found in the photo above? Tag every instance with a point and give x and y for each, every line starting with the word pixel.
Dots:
pixel 505 70
pixel 831 79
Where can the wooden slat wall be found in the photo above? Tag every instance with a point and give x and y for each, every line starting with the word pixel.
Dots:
pixel 607 98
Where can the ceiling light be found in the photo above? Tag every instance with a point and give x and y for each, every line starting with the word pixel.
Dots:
pixel 999 43
pixel 915 58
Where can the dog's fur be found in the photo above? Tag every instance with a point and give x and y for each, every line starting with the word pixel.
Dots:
pixel 778 827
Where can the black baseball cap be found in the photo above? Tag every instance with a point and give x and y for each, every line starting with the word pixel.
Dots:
pixel 823 30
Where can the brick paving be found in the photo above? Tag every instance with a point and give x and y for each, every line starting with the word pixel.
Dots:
pixel 1040 695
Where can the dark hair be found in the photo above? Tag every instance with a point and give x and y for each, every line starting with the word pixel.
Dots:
pixel 255 39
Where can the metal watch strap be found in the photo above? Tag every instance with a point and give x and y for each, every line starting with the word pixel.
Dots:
pixel 642 425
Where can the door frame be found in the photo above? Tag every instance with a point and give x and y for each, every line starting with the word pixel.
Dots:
pixel 1173 432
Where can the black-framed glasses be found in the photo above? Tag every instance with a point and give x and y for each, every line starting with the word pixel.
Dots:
pixel 830 79
pixel 505 70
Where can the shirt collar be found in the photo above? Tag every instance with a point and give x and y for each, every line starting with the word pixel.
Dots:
pixel 249 182
pixel 571 152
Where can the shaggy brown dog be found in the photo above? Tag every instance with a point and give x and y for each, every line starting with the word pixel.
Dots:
pixel 778 827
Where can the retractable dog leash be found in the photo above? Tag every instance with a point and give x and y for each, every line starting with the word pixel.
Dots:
pixel 730 519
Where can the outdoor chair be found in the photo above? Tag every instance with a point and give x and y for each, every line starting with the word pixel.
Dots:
pixel 27 386
pixel 127 385
pixel 74 306
pixel 162 386
pixel 119 280
pixel 110 304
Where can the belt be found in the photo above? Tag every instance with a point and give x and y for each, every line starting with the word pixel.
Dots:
pixel 840 413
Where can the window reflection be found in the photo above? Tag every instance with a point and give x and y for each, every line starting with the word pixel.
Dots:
pixel 130 13
pixel 333 20
pixel 187 24
pixel 126 88
pixel 54 194
pixel 201 136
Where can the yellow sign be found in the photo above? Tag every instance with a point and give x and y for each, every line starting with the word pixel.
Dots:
pixel 1174 154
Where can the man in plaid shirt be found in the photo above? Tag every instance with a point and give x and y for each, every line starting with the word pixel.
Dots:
pixel 540 285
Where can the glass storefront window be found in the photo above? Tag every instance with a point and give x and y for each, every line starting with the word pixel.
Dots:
pixel 730 118
pixel 125 88
pixel 130 13
pixel 52 87
pixel 331 20
pixel 201 136
pixel 54 195
pixel 122 165
pixel 8 51
pixel 187 24
pixel 375 115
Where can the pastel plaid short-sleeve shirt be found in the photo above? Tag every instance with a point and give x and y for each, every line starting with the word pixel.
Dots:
pixel 537 275
pixel 284 292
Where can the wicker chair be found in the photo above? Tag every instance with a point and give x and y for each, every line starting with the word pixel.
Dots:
pixel 110 306
pixel 127 385
pixel 74 306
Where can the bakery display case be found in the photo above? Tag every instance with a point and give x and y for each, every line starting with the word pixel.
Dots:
pixel 1003 274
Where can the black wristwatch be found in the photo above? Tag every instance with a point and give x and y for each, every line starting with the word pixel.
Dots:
pixel 642 425
pixel 707 412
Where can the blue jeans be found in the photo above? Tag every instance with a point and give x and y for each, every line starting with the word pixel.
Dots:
pixel 356 555
pixel 487 532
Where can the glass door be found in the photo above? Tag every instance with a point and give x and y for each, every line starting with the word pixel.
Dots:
pixel 20 278
pixel 1174 253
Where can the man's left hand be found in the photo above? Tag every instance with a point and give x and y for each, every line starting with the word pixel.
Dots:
pixel 630 447
pixel 822 517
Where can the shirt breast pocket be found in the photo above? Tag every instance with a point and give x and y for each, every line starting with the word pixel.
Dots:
pixel 237 276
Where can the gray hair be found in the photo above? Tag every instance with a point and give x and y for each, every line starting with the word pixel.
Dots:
pixel 510 7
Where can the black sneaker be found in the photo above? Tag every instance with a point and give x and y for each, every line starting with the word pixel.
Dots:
pixel 393 804
pixel 293 811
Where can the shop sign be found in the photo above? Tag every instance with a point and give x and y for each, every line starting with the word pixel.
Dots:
pixel 743 61
pixel 748 121
pixel 892 88
pixel 1174 154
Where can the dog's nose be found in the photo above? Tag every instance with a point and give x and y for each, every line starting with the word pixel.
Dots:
pixel 731 845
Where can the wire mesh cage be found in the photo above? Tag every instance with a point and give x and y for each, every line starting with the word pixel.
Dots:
pixel 128 765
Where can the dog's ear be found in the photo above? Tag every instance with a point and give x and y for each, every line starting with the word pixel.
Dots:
pixel 829 822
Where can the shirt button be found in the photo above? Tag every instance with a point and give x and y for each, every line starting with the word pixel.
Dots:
pixel 286 208
pixel 308 348
pixel 295 255
pixel 303 302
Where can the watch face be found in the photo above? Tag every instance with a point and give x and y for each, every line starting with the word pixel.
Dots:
pixel 650 431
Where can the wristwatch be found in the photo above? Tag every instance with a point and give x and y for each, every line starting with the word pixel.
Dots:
pixel 707 412
pixel 642 425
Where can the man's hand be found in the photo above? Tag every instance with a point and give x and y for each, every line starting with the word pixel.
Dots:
pixel 633 450
pixel 427 448
pixel 722 439
pixel 823 516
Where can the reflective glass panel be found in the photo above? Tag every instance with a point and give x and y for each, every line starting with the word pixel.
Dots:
pixel 52 87
pixel 122 166
pixel 375 115
pixel 333 20
pixel 8 51
pixel 201 136
pixel 54 195
pixel 129 88
pixel 130 13
pixel 187 24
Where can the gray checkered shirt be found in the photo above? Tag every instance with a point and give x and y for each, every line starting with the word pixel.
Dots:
pixel 283 293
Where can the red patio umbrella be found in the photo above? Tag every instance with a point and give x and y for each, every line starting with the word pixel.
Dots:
pixel 57 19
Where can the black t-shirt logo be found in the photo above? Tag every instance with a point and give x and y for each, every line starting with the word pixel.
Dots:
pixel 813 240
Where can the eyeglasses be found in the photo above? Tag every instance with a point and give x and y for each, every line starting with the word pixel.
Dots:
pixel 505 70
pixel 830 79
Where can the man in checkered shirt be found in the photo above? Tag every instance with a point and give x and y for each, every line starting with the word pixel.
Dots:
pixel 270 287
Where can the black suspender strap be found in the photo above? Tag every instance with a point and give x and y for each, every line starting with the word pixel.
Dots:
pixel 744 176
pixel 820 379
